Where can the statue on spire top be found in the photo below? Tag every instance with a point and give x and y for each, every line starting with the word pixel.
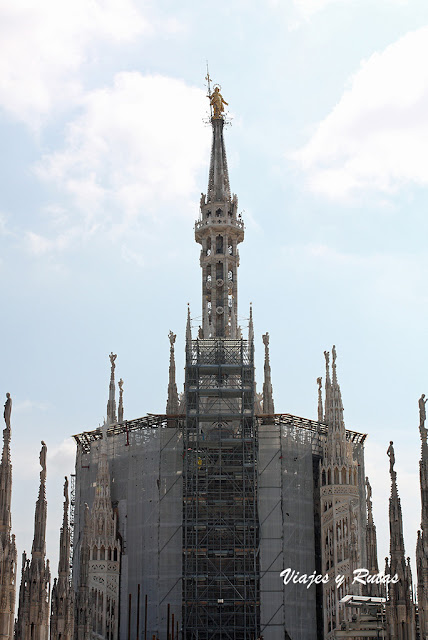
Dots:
pixel 217 102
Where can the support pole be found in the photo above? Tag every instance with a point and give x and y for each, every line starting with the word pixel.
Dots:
pixel 145 618
pixel 167 623
pixel 129 616
pixel 172 626
pixel 138 614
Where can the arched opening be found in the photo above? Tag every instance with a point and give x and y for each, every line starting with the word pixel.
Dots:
pixel 219 244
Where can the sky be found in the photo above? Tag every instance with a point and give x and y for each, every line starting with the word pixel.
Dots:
pixel 104 155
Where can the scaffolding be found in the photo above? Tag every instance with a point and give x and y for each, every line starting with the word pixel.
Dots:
pixel 221 597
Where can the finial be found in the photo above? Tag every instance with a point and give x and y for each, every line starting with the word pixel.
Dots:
pixel 334 354
pixel 251 325
pixel 422 410
pixel 112 357
pixel 188 326
pixel 7 410
pixel 390 453
pixel 42 459
pixel 327 358
pixel 217 102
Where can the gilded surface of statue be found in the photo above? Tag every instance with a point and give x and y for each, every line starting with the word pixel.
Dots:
pixel 217 103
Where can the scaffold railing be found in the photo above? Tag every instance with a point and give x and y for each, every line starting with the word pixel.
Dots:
pixel 156 421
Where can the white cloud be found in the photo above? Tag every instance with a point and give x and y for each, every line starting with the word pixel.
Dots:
pixel 136 147
pixel 375 137
pixel 45 44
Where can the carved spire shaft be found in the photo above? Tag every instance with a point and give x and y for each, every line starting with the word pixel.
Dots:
pixel 111 404
pixel 172 402
pixel 62 613
pixel 422 542
pixel 400 608
pixel 34 593
pixel 251 326
pixel 268 405
pixel 320 407
pixel 6 472
pixel 120 410
pixel 40 517
pixel 8 554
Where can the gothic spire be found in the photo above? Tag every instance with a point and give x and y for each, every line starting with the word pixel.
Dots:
pixel 172 402
pixel 422 542
pixel 219 230
pixel 337 445
pixel 34 592
pixel 400 609
pixel 111 404
pixel 39 540
pixel 62 614
pixel 218 182
pixel 120 410
pixel 320 407
pixel 188 326
pixel 7 541
pixel 371 542
pixel 268 406
pixel 6 471
pixel 251 325
pixel 327 402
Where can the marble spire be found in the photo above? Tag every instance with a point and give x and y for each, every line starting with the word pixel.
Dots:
pixel 34 593
pixel 320 406
pixel 120 410
pixel 371 542
pixel 422 540
pixel 7 540
pixel 172 402
pixel 188 327
pixel 400 610
pixel 268 405
pixel 219 230
pixel 62 609
pixel 111 404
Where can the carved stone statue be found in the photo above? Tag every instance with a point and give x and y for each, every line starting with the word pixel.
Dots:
pixel 319 383
pixel 113 357
pixel 334 354
pixel 7 410
pixel 369 492
pixel 42 460
pixel 217 103
pixel 327 357
pixel 422 409
pixel 390 453
pixel 120 384
pixel 265 338
pixel 172 336
pixel 202 200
